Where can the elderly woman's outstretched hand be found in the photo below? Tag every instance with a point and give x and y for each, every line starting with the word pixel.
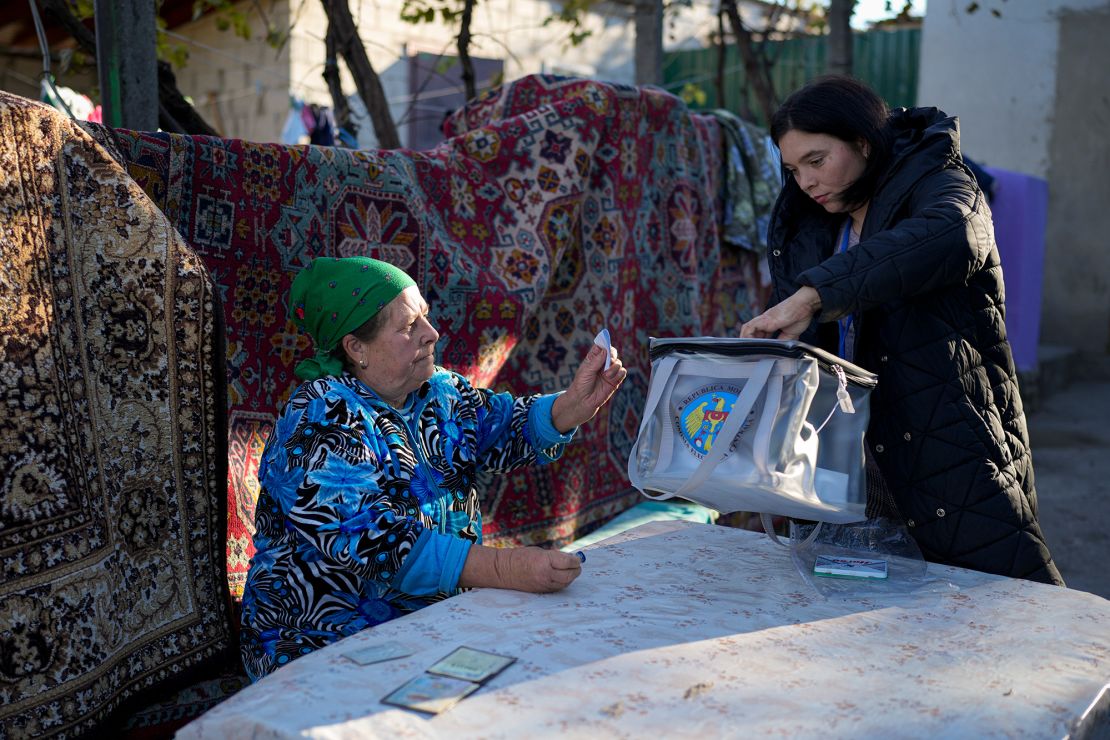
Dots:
pixel 591 388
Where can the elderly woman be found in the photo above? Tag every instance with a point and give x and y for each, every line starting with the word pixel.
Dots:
pixel 368 508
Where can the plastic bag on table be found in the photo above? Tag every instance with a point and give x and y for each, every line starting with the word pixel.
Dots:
pixel 849 555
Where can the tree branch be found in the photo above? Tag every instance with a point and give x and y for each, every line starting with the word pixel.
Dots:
pixel 464 49
pixel 179 111
pixel 840 37
pixel 755 72
pixel 367 82
pixel 331 77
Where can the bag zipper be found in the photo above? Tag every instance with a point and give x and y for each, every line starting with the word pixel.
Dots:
pixel 776 347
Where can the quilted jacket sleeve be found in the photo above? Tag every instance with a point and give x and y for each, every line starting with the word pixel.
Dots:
pixel 939 235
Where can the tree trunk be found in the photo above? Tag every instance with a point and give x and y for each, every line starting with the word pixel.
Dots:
pixel 648 21
pixel 174 111
pixel 719 81
pixel 464 49
pixel 331 77
pixel 367 82
pixel 127 63
pixel 840 37
pixel 755 69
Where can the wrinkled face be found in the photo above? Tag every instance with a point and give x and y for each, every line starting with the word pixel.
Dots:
pixel 402 354
pixel 823 166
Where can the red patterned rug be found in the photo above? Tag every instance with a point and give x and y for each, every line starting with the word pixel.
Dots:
pixel 557 207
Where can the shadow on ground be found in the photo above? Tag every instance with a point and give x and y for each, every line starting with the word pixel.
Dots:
pixel 1070 434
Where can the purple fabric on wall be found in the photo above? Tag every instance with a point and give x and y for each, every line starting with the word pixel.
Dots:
pixel 1020 209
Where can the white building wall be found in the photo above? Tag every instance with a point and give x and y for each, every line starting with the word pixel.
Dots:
pixel 241 87
pixel 1031 90
pixel 998 74
pixel 510 30
pixel 244 87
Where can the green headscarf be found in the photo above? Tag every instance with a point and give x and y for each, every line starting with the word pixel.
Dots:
pixel 332 297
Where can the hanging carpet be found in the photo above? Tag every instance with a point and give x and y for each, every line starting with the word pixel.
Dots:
pixel 113 452
pixel 555 208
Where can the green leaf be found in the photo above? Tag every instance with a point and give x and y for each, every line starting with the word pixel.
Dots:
pixel 275 37
pixel 83 9
pixel 693 94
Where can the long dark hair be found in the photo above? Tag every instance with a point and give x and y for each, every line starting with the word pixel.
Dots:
pixel 847 109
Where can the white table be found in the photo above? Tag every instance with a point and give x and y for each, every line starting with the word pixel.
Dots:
pixel 690 630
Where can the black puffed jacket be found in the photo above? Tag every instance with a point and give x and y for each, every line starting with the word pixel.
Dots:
pixel 925 287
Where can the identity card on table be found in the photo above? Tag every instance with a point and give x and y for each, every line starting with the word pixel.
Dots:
pixel 377 653
pixel 431 694
pixel 471 665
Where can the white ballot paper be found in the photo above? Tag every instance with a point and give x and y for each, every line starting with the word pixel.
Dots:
pixel 602 340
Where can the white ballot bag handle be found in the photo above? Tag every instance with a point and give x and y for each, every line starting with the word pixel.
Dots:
pixel 756 381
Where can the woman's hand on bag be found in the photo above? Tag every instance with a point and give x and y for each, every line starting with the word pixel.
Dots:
pixel 591 388
pixel 530 569
pixel 786 320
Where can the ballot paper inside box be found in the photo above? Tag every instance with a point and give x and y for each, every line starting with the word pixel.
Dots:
pixel 761 425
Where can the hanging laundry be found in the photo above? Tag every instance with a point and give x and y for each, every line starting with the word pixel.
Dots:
pixel 751 182
pixel 319 123
pixel 294 131
pixel 79 105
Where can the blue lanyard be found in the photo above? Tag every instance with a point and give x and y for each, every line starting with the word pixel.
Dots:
pixel 846 322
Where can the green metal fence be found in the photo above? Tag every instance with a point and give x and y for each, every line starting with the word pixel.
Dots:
pixel 886 60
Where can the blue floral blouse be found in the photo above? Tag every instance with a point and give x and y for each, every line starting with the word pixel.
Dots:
pixel 367 512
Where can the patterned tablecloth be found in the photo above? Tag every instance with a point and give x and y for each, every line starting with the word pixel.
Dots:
pixel 689 630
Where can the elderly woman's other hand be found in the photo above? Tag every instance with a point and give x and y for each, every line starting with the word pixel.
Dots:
pixel 530 569
pixel 591 388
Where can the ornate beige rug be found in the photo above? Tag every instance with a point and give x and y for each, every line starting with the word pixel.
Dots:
pixel 113 447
